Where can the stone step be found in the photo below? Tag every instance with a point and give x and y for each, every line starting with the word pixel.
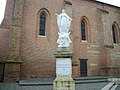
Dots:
pixel 90 81
pixel 81 80
pixel 90 78
pixel 35 82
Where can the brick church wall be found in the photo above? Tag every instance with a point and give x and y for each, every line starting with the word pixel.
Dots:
pixel 36 52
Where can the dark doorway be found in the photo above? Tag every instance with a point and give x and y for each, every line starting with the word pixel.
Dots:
pixel 83 67
pixel 1 71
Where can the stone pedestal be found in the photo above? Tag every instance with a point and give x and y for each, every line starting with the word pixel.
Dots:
pixel 63 80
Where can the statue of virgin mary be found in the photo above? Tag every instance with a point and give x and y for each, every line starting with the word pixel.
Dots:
pixel 63 21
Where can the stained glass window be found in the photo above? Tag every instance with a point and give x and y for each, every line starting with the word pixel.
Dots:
pixel 114 33
pixel 42 24
pixel 83 29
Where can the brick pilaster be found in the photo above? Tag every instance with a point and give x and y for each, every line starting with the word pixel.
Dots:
pixel 13 58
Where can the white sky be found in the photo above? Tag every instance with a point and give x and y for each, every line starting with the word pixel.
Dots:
pixel 2 9
pixel 112 2
pixel 3 3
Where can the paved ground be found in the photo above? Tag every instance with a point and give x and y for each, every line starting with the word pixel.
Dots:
pixel 118 87
pixel 15 86
pixel 82 83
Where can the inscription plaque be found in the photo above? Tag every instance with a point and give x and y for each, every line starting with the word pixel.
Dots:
pixel 63 66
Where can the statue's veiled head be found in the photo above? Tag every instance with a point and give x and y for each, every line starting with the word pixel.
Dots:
pixel 63 11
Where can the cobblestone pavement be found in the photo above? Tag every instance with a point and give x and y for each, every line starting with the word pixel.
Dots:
pixel 15 86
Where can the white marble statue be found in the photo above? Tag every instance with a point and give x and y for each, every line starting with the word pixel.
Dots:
pixel 63 21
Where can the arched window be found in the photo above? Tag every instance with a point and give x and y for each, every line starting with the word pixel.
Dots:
pixel 115 34
pixel 83 29
pixel 42 24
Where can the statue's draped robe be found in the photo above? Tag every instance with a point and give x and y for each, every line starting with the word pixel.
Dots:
pixel 63 21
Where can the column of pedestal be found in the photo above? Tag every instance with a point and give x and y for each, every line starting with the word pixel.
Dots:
pixel 63 80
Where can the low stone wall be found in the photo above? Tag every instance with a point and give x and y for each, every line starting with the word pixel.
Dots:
pixel 115 80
